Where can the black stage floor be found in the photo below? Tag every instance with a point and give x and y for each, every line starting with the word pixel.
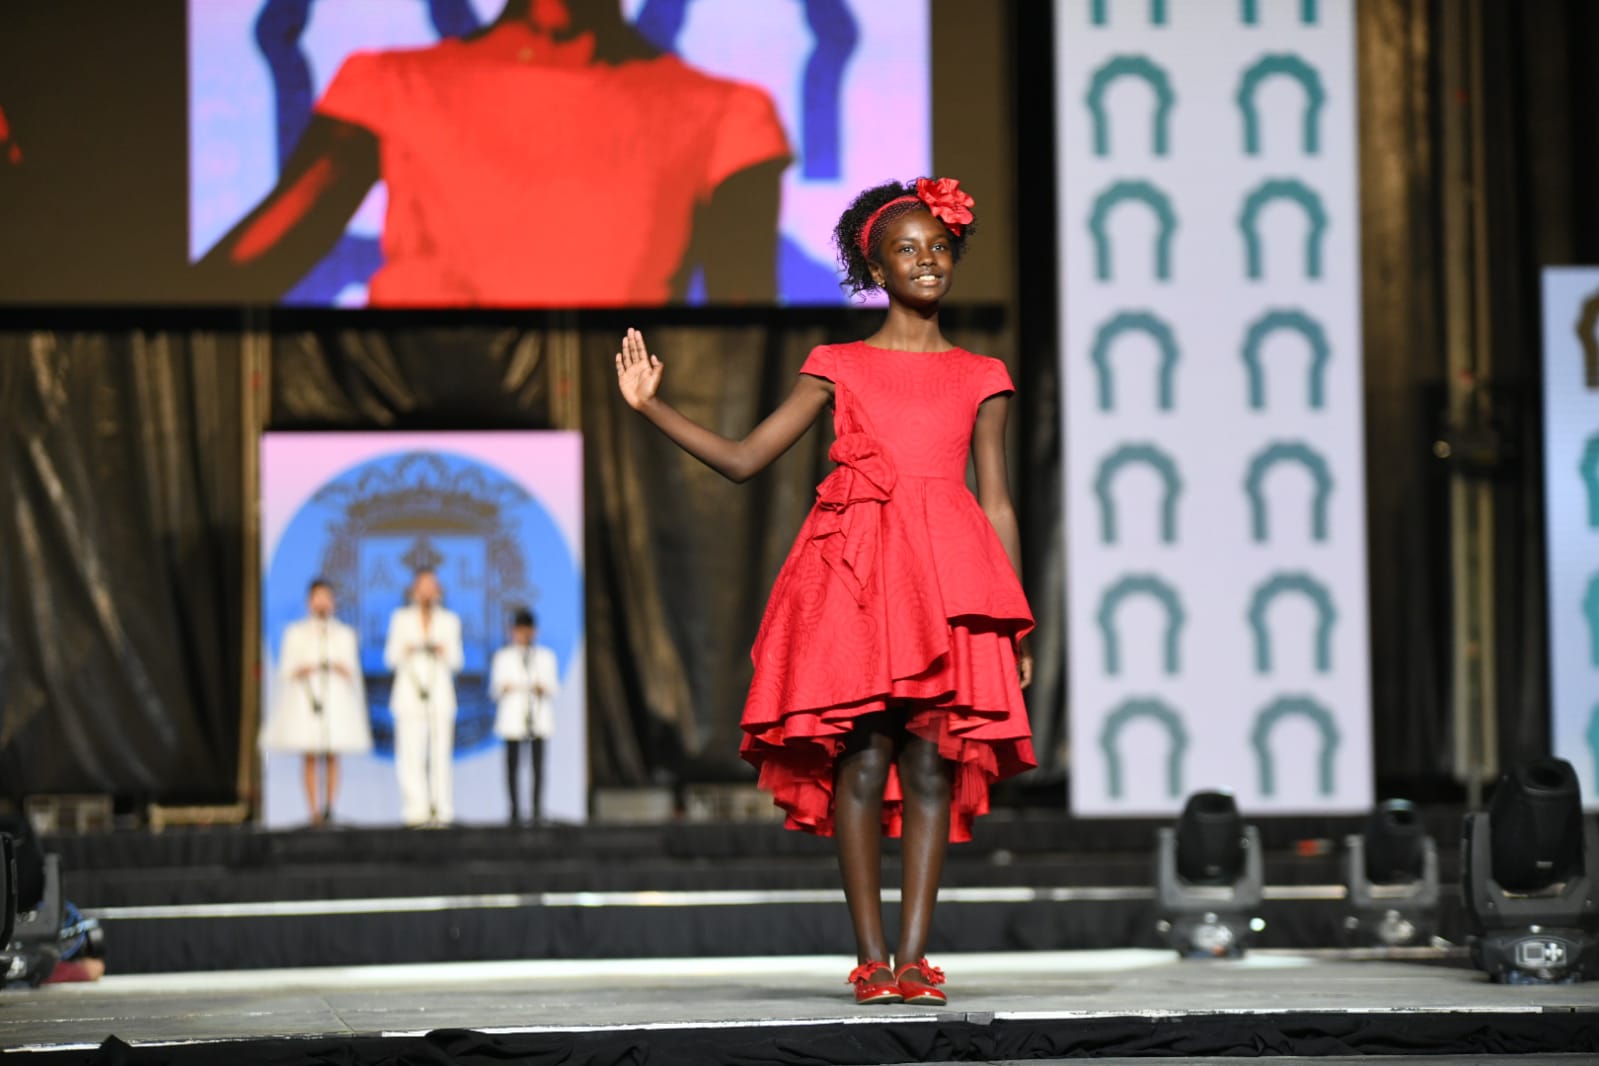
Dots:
pixel 1035 1006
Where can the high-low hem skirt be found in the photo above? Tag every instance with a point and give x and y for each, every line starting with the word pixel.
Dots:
pixel 903 604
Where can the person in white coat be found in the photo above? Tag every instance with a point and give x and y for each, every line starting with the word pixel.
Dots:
pixel 319 709
pixel 424 651
pixel 524 680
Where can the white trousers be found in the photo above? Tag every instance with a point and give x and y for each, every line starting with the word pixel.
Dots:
pixel 424 750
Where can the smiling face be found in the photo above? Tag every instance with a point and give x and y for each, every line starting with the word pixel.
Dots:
pixel 915 260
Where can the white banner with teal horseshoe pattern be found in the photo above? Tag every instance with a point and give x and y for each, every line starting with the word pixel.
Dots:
pixel 1215 514
pixel 1571 502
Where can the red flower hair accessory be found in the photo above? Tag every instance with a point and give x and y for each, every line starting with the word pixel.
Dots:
pixel 943 197
pixel 946 200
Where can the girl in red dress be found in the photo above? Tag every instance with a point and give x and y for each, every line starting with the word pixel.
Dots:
pixel 890 662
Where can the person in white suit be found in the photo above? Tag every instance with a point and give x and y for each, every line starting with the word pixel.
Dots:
pixel 524 680
pixel 319 709
pixel 424 651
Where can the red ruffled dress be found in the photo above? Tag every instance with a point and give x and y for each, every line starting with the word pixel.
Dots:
pixel 897 594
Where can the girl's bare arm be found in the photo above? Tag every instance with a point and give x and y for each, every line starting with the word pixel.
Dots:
pixel 993 495
pixel 323 182
pixel 993 487
pixel 638 375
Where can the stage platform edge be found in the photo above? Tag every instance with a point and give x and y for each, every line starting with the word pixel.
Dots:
pixel 1003 1007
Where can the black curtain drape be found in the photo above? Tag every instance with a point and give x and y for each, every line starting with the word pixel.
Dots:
pixel 1402 292
pixel 1541 144
pixel 120 572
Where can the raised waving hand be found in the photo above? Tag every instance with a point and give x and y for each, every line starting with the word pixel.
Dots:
pixel 638 376
pixel 638 373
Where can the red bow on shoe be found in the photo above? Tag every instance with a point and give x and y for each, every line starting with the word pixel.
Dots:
pixel 866 991
pixel 864 971
pixel 925 990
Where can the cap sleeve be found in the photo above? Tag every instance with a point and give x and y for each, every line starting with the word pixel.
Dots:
pixel 747 133
pixel 993 380
pixel 821 363
pixel 360 92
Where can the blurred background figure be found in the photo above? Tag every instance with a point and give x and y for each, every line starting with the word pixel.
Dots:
pixel 424 651
pixel 524 680
pixel 320 710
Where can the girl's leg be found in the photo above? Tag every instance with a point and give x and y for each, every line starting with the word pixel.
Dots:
pixel 411 763
pixel 311 803
pixel 332 786
pixel 513 759
pixel 538 779
pixel 858 782
pixel 925 779
pixel 441 760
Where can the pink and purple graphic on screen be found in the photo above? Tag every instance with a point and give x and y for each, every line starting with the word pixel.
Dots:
pixel 498 518
pixel 545 152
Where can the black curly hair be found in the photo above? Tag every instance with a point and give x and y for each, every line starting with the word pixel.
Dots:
pixel 847 234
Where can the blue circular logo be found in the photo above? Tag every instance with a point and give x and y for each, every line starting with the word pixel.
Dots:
pixel 369 529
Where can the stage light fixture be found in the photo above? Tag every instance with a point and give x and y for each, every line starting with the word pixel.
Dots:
pixel 30 953
pixel 1527 870
pixel 1209 879
pixel 1391 871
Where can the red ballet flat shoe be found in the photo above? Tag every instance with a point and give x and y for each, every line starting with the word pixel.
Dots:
pixel 868 992
pixel 918 981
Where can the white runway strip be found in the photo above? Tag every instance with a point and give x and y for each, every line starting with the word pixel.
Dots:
pixel 437 975
pixel 740 898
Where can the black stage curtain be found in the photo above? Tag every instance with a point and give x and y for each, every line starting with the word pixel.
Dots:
pixel 120 622
pixel 1538 106
pixel 1541 141
pixel 1407 523
pixel 120 573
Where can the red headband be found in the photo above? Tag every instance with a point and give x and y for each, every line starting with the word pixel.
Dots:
pixel 943 198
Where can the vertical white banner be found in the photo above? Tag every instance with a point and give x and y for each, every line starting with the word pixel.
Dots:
pixel 1571 515
pixel 1210 330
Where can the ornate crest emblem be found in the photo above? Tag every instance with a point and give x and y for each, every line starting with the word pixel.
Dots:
pixel 423 510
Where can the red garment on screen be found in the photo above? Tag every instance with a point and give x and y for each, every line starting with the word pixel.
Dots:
pixel 515 184
pixel 12 151
pixel 897 596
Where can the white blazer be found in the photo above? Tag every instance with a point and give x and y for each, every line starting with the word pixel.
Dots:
pixel 521 713
pixel 325 710
pixel 418 671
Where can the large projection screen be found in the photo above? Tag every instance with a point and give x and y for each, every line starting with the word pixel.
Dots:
pixel 417 154
pixel 516 179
